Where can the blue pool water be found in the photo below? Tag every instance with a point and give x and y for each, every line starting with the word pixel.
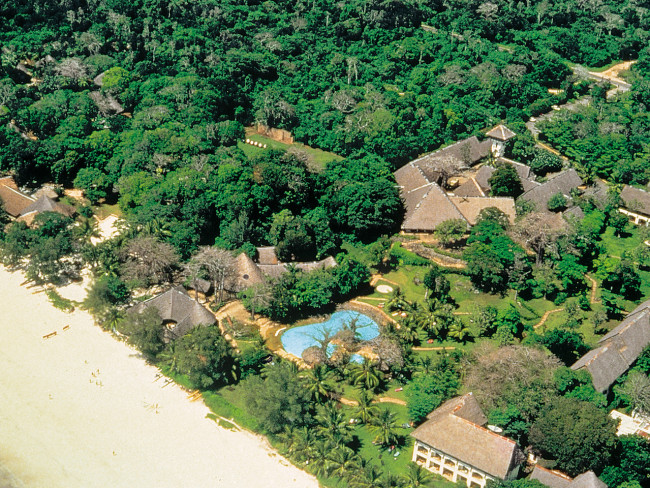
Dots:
pixel 297 339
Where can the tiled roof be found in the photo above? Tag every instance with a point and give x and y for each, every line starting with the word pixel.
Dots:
pixel 177 306
pixel 636 200
pixel 500 132
pixel 618 349
pixel 470 207
pixel 456 429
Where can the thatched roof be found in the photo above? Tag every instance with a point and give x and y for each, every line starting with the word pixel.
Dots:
pixel 501 133
pixel 14 201
pixel 550 478
pixel 247 274
pixel 587 480
pixel 267 255
pixel 470 207
pixel 431 209
pixel 456 428
pixel 618 349
pixel 636 200
pixel 561 183
pixel 469 150
pixel 106 103
pixel 175 305
pixel 47 204
pixel 470 188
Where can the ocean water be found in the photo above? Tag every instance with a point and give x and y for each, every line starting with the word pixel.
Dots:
pixel 297 339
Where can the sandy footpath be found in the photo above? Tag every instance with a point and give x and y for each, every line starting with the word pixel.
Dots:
pixel 81 409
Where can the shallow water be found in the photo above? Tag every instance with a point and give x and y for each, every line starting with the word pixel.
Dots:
pixel 297 339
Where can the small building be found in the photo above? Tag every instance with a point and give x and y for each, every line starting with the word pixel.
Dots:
pixel 22 207
pixel 561 183
pixel 635 424
pixel 455 443
pixel 636 205
pixel 498 136
pixel 249 273
pixel 617 350
pixel 557 479
pixel 15 202
pixel 179 312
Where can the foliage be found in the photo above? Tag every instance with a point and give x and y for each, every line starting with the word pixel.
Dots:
pixel 567 345
pixel 437 283
pixel 105 292
pixel 450 231
pixel 557 203
pixel 279 399
pixel 575 433
pixel 204 356
pixel 425 393
pixel 505 182
pixel 144 331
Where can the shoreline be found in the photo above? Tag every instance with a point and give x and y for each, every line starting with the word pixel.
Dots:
pixel 82 409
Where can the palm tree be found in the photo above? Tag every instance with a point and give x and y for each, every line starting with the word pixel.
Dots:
pixel 389 480
pixel 365 410
pixel 86 229
pixel 169 357
pixel 366 374
pixel 417 477
pixel 425 366
pixel 397 301
pixel 368 477
pixel 303 443
pixel 344 462
pixel 459 331
pixel 319 461
pixel 384 426
pixel 317 382
pixel 333 425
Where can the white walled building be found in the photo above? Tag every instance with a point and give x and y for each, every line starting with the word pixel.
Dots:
pixel 455 443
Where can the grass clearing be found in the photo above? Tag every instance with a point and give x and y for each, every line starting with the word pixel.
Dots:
pixel 616 246
pixel 317 158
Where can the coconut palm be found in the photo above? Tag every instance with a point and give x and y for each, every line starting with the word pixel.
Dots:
pixel 333 424
pixel 424 366
pixel 169 357
pixel 368 477
pixel 319 461
pixel 344 462
pixel 317 382
pixel 365 410
pixel 397 301
pixel 417 477
pixel 384 426
pixel 303 443
pixel 366 374
pixel 390 480
pixel 86 229
pixel 459 331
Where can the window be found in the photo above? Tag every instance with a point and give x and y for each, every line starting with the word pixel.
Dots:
pixel 448 474
pixel 420 460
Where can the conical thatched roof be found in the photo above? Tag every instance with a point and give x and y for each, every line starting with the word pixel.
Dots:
pixel 501 133
pixel 247 273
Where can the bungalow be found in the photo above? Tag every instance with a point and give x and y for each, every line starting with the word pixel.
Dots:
pixel 618 350
pixel 561 183
pixel 636 205
pixel 249 273
pixel 24 208
pixel 557 479
pixel 499 136
pixel 179 312
pixel 455 443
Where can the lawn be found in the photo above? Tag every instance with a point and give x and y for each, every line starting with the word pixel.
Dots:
pixel 317 158
pixel 616 246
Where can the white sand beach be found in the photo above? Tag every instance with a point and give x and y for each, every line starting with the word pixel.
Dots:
pixel 81 409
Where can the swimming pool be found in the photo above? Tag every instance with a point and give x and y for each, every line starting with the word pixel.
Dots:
pixel 297 339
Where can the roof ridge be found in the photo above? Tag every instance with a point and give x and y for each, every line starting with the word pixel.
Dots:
pixel 485 429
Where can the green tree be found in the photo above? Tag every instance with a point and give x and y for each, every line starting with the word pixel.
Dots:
pixel 384 426
pixel 425 393
pixel 575 433
pixel 557 203
pixel 505 182
pixel 317 381
pixel 366 374
pixel 437 283
pixel 365 409
pixel 567 345
pixel 450 231
pixel 545 162
pixel 485 268
pixel 278 400
pixel 205 357
pixel 145 331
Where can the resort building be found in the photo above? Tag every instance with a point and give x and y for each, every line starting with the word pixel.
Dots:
pixel 635 424
pixel 249 273
pixel 557 479
pixel 179 312
pixel 24 208
pixel 455 443
pixel 636 205
pixel 498 138
pixel 617 350
pixel 562 183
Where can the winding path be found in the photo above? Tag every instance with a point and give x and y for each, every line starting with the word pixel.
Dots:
pixel 545 316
